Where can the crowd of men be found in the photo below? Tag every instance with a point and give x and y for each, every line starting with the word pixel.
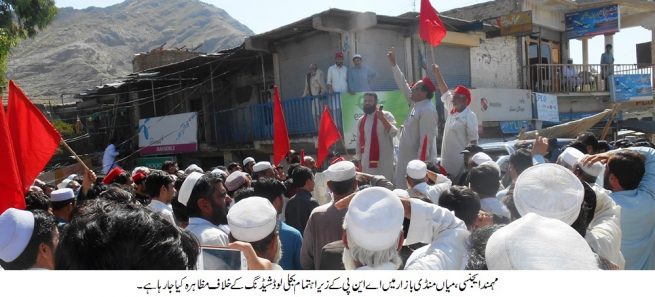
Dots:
pixel 583 206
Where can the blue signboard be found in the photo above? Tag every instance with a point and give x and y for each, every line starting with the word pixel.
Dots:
pixel 592 22
pixel 629 87
pixel 514 127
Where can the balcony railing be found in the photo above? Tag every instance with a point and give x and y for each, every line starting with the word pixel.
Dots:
pixel 246 124
pixel 575 78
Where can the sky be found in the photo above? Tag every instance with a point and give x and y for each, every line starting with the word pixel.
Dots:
pixel 270 14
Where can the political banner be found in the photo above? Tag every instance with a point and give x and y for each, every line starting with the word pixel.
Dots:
pixel 632 87
pixel 547 108
pixel 592 22
pixel 173 134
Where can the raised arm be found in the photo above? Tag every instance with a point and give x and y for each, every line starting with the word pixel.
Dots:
pixel 399 77
pixel 441 83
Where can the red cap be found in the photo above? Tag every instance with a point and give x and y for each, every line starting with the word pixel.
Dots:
pixel 462 90
pixel 338 55
pixel 113 174
pixel 138 177
pixel 337 160
pixel 427 82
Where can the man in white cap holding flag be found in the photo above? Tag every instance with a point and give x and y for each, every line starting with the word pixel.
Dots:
pixel 419 137
pixel 325 221
pixel 28 240
pixel 604 231
pixel 254 220
pixel 206 201
pixel 417 174
pixel 373 231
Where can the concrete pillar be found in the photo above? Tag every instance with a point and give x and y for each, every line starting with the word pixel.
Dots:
pixel 585 53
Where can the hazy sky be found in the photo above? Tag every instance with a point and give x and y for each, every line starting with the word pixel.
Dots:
pixel 264 15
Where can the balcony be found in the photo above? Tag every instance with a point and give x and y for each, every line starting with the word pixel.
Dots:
pixel 575 78
pixel 244 125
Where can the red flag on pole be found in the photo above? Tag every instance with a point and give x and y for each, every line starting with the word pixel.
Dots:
pixel 11 187
pixel 328 134
pixel 431 29
pixel 280 134
pixel 34 138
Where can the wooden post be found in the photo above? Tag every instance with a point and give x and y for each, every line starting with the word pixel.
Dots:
pixel 606 129
pixel 86 168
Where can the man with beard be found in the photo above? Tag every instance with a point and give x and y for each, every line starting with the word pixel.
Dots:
pixel 630 175
pixel 419 137
pixel 254 220
pixel 375 133
pixel 373 231
pixel 206 200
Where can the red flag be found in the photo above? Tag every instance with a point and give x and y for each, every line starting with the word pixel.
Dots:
pixel 328 134
pixel 431 29
pixel 424 149
pixel 11 187
pixel 35 139
pixel 302 157
pixel 281 145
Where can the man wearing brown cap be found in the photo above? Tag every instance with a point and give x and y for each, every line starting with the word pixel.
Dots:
pixel 419 137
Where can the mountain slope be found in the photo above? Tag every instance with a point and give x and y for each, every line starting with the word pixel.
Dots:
pixel 84 48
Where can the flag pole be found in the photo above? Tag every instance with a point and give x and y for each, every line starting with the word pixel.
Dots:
pixel 79 160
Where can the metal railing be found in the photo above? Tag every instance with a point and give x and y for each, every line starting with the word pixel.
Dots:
pixel 575 78
pixel 255 122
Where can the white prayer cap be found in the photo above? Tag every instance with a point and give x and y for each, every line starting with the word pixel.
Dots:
pixel 374 219
pixel 261 166
pixel 503 163
pixel 235 180
pixel 401 193
pixel 534 242
pixel 341 171
pixel 308 159
pixel 252 219
pixel 248 160
pixel 417 169
pixel 64 183
pixel 573 157
pixel 219 173
pixel 187 187
pixel 142 169
pixel 193 168
pixel 16 227
pixel 480 158
pixel 355 56
pixel 62 195
pixel 549 190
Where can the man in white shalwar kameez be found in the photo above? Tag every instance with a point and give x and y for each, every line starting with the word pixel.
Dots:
pixel 461 127
pixel 419 137
pixel 375 150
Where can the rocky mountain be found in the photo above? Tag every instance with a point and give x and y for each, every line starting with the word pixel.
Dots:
pixel 89 47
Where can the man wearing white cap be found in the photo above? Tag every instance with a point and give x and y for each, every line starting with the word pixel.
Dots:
pixel 237 180
pixel 604 231
pixel 359 76
pixel 534 242
pixel 254 220
pixel 159 186
pixel 63 204
pixel 325 221
pixel 445 234
pixel 373 231
pixel 28 240
pixel 193 168
pixel 417 173
pixel 262 169
pixel 419 137
pixel 630 174
pixel 206 200
pixel 375 133
pixel 248 163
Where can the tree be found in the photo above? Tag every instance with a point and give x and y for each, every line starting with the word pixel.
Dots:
pixel 21 19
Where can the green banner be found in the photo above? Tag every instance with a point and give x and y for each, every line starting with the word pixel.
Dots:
pixel 154 162
pixel 351 110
